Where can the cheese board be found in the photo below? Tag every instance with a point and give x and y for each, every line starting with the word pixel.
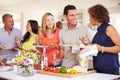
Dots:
pixel 66 75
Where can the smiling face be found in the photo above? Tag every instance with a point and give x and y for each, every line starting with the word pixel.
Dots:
pixel 50 21
pixel 8 23
pixel 71 17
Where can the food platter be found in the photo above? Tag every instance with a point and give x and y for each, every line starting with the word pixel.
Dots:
pixel 63 71
pixel 66 75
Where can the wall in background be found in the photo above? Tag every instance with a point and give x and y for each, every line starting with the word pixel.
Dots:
pixel 36 9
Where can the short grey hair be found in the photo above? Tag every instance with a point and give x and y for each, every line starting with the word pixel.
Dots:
pixel 6 16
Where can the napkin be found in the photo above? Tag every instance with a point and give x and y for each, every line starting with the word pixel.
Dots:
pixel 75 49
pixel 89 50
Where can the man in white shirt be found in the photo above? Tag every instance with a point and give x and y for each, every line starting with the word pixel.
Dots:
pixel 70 34
pixel 7 37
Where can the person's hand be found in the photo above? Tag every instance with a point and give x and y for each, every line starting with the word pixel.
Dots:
pixel 52 45
pixel 56 62
pixel 85 40
pixel 17 39
pixel 36 51
pixel 39 50
pixel 14 49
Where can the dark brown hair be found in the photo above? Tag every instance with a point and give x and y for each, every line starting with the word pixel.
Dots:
pixel 67 8
pixel 34 27
pixel 99 13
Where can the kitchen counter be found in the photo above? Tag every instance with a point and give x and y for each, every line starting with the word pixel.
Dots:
pixel 12 75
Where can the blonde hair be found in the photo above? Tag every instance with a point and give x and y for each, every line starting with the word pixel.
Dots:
pixel 44 25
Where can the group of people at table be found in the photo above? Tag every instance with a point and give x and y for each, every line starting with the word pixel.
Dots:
pixel 107 39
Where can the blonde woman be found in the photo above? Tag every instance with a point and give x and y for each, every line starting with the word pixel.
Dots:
pixel 49 36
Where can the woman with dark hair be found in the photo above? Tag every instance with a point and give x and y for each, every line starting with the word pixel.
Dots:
pixel 106 39
pixel 30 36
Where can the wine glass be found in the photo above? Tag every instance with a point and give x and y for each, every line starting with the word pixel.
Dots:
pixel 54 60
pixel 79 42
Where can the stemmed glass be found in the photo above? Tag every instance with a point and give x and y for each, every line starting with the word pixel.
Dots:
pixel 54 59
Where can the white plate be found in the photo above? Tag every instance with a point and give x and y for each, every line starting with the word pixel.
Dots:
pixel 6 48
pixel 6 68
pixel 68 45
pixel 41 46
pixel 73 45
pixel 11 63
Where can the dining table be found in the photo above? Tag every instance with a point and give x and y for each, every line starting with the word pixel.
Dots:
pixel 12 75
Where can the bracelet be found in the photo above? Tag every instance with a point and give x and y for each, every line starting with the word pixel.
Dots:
pixel 102 49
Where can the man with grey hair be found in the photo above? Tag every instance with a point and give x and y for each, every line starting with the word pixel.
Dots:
pixel 8 36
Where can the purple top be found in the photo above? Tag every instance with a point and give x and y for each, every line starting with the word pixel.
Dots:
pixel 8 40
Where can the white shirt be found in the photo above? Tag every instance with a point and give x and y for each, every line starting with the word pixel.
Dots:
pixel 71 36
pixel 8 41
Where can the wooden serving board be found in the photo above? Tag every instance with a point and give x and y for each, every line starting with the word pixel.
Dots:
pixel 66 75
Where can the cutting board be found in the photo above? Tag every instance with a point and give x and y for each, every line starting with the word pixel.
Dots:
pixel 66 75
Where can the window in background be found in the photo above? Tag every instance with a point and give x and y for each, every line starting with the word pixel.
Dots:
pixel 117 24
pixel 17 24
pixel 16 17
pixel 115 21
